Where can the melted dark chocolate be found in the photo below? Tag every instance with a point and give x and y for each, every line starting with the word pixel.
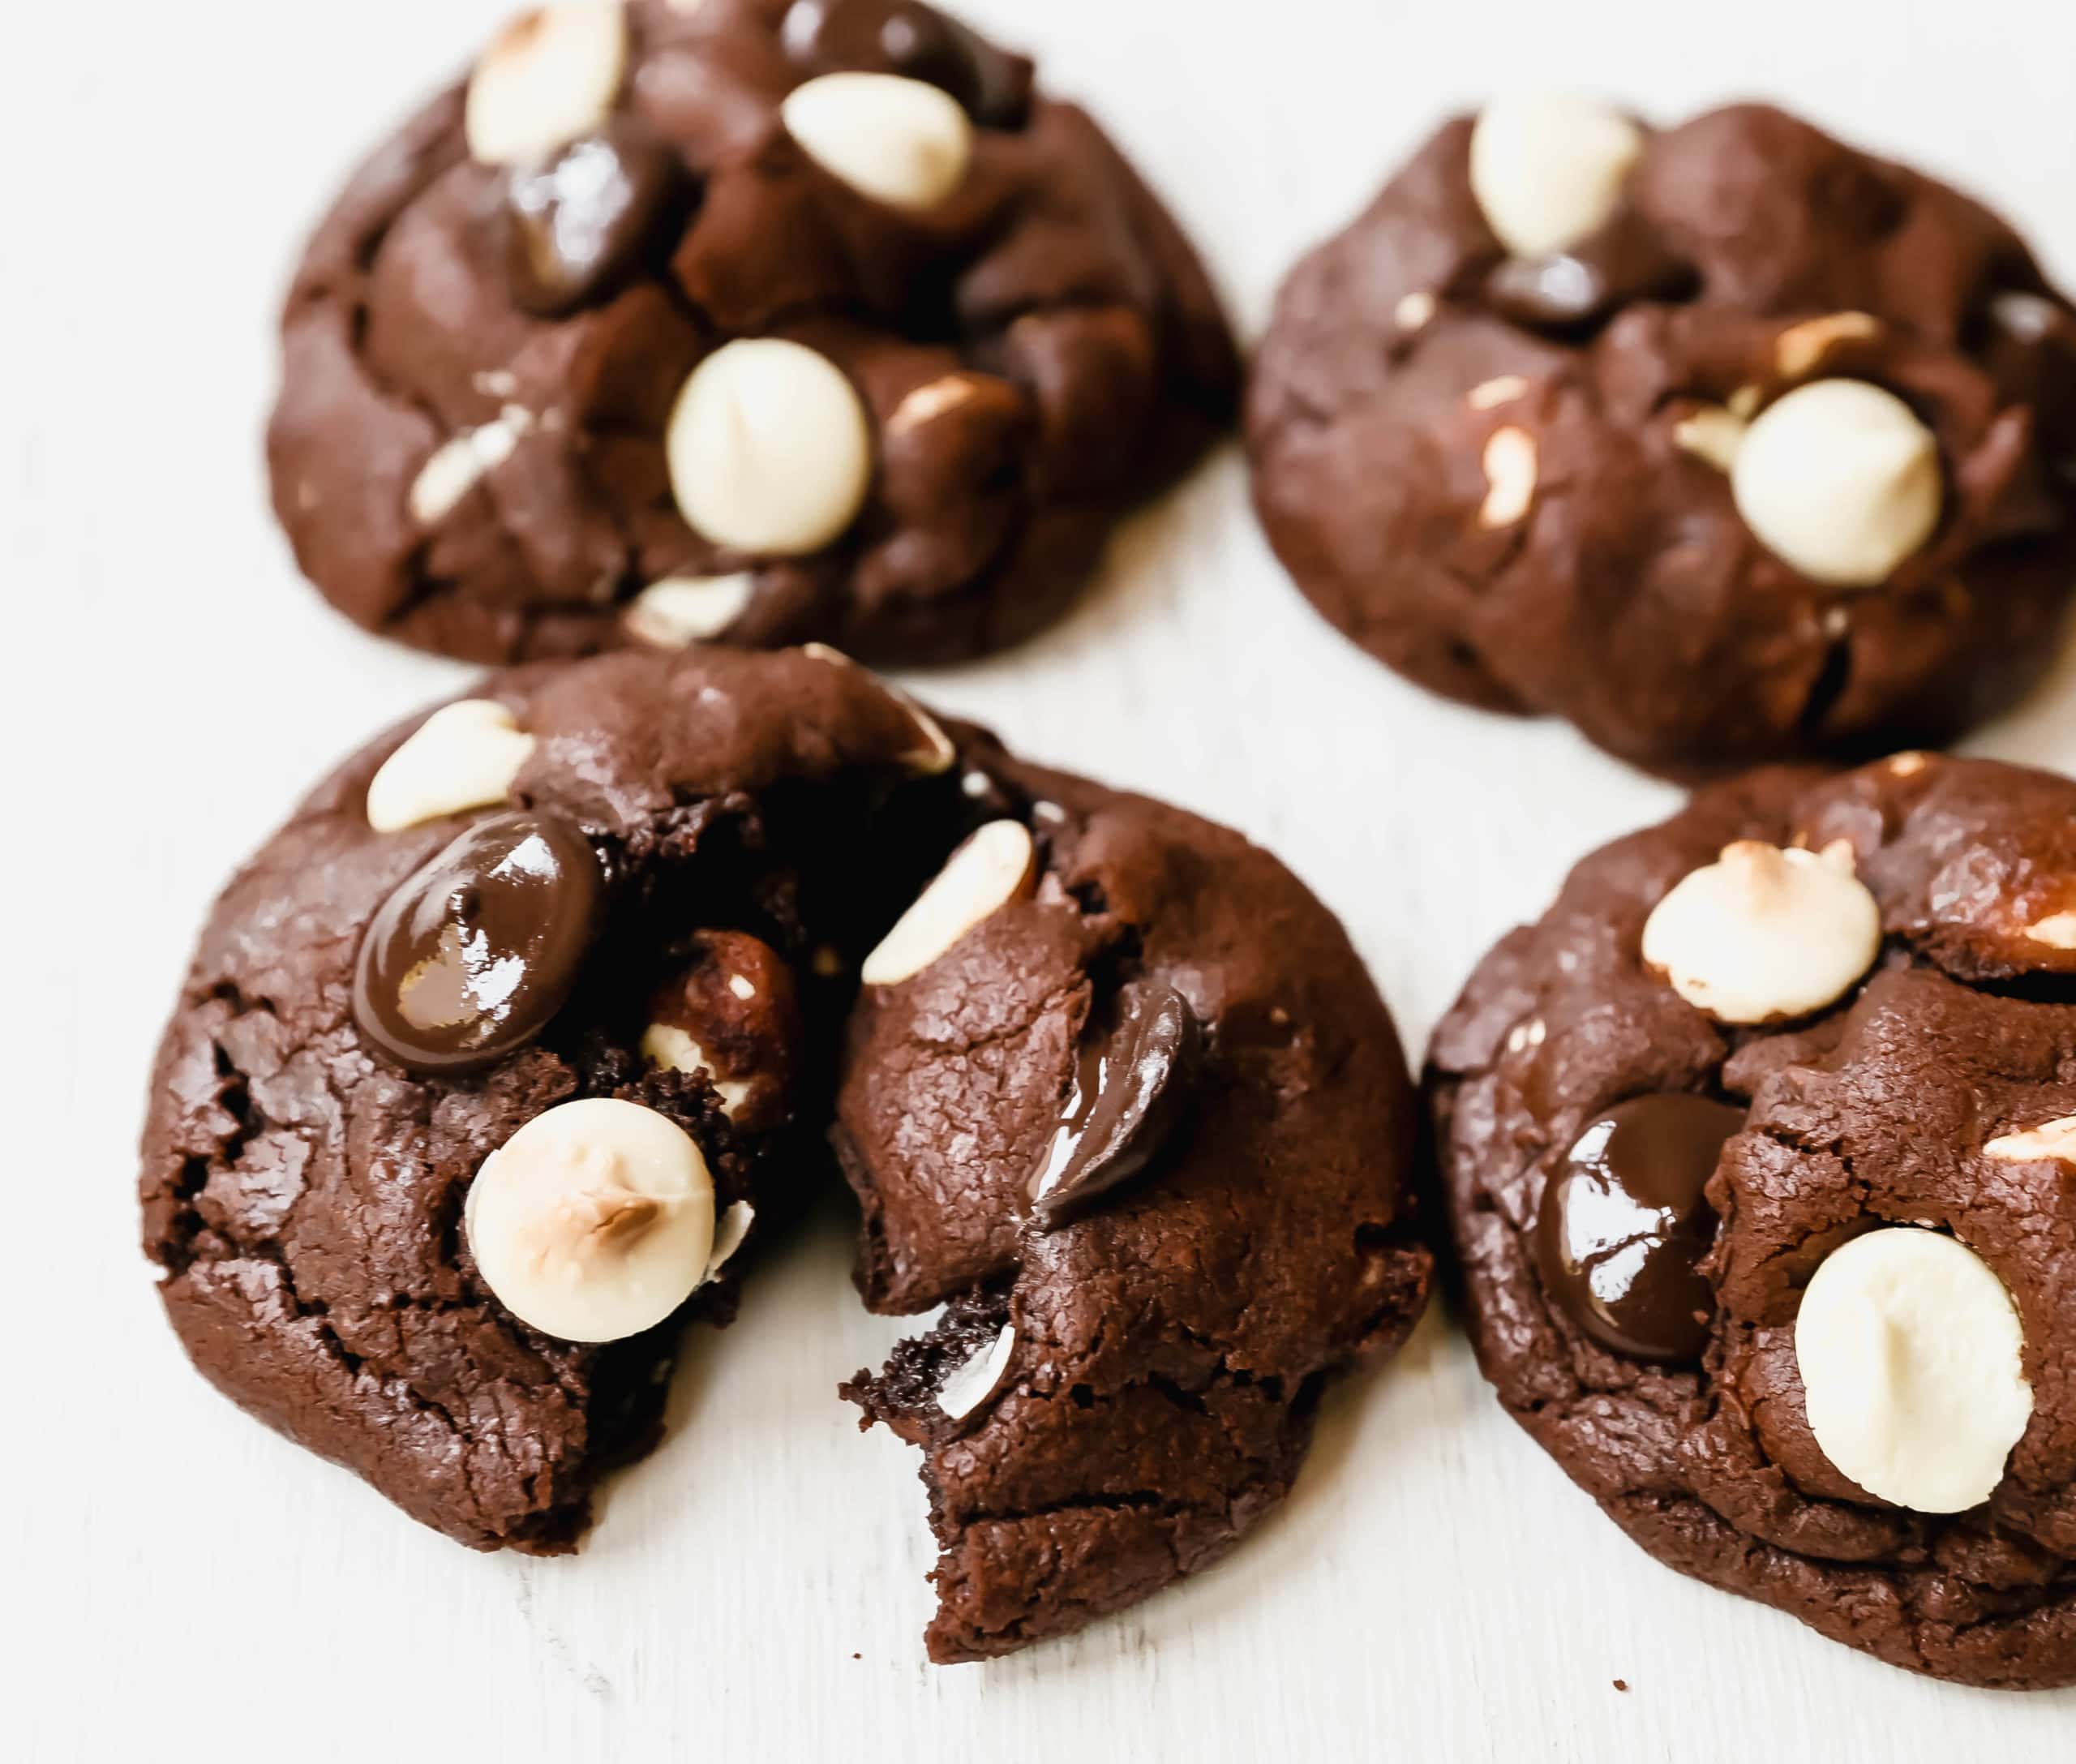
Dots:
pixel 1131 1088
pixel 474 953
pixel 1570 289
pixel 575 224
pixel 1624 1224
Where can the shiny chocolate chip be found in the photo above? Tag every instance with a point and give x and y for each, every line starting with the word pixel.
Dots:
pixel 576 223
pixel 1624 1224
pixel 916 41
pixel 1129 1089
pixel 2031 352
pixel 1622 262
pixel 474 953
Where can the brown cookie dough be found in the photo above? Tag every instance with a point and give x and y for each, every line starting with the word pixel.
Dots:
pixel 1167 1016
pixel 1586 477
pixel 480 446
pixel 543 1004
pixel 1642 1193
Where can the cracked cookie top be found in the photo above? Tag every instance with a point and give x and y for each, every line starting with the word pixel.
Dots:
pixel 1781 1275
pixel 762 319
pixel 1727 442
pixel 507 1051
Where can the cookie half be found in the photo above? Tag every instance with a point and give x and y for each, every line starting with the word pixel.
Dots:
pixel 1727 442
pixel 1145 1134
pixel 760 320
pixel 1760 1158
pixel 499 1061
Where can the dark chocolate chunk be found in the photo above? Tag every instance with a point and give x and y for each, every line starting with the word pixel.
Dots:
pixel 1129 1089
pixel 575 224
pixel 902 37
pixel 1624 261
pixel 1624 1224
pixel 475 954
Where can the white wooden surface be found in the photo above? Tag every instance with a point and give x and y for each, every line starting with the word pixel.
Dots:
pixel 180 1580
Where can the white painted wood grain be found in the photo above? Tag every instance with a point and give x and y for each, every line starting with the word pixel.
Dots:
pixel 183 1582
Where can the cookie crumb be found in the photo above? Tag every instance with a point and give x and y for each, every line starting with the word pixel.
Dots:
pixel 1622 1684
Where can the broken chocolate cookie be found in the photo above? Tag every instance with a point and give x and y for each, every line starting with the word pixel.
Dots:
pixel 497 1064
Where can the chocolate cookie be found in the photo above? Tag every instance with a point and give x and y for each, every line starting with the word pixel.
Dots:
pixel 763 320
pixel 1726 443
pixel 538 1010
pixel 1760 1156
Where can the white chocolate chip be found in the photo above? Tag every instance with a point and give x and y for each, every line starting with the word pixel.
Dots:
pixel 937 753
pixel 728 1235
pixel 1799 349
pixel 1548 168
pixel 463 756
pixel 980 1378
pixel 1911 1356
pixel 2054 1140
pixel 902 142
pixel 549 76
pixel 594 1220
pixel 1712 433
pixel 741 986
pixel 1414 311
pixel 1488 394
pixel 997 864
pixel 1510 473
pixel 1907 765
pixel 2057 931
pixel 687 609
pixel 457 466
pixel 1764 932
pixel 672 1050
pixel 768 449
pixel 1840 481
